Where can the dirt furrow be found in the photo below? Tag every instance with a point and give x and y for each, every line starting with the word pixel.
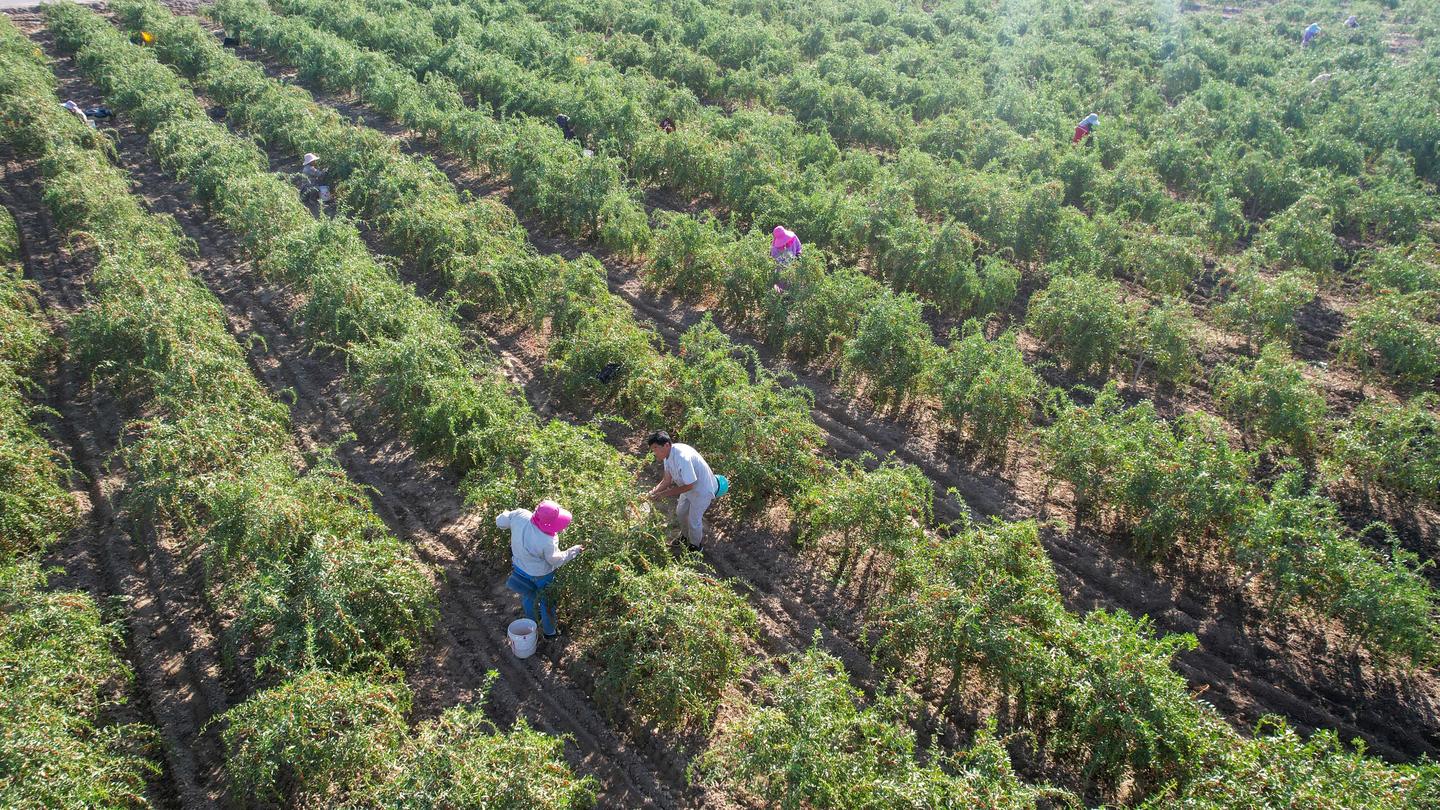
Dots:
pixel 420 501
pixel 170 643
pixel 1246 668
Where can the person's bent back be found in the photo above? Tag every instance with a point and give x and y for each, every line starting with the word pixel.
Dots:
pixel 535 556
pixel 531 549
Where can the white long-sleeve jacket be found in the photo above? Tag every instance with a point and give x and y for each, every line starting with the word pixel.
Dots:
pixel 533 551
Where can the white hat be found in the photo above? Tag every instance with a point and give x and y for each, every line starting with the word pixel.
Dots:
pixel 310 157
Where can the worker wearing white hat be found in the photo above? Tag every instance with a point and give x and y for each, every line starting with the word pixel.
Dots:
pixel 314 176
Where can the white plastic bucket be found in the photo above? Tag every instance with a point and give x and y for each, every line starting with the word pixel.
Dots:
pixel 524 635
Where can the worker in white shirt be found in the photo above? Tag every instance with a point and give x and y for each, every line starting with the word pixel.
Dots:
pixel 687 478
pixel 313 175
pixel 536 556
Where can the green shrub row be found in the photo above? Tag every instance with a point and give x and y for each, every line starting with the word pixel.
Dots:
pixel 590 327
pixel 880 322
pixel 61 673
pixel 1121 754
pixel 1091 331
pixel 404 352
pixel 342 740
pixel 636 670
pixel 549 178
pixel 978 614
pixel 225 476
pixel 1165 484
pixel 35 508
pixel 61 679
pixel 308 568
pixel 541 63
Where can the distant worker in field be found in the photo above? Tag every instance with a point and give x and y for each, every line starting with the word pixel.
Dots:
pixel 689 480
pixel 785 246
pixel 78 111
pixel 566 128
pixel 785 249
pixel 310 167
pixel 1312 31
pixel 535 556
pixel 667 125
pixel 314 177
pixel 1352 21
pixel 1082 129
pixel 88 114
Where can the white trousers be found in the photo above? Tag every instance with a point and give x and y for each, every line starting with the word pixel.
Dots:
pixel 690 514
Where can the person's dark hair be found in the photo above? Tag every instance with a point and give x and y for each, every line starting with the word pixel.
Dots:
pixel 659 437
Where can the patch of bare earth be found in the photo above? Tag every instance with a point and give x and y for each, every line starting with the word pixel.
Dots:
pixel 1247 664
pixel 420 501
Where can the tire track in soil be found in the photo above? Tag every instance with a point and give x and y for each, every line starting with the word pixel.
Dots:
pixel 1244 669
pixel 169 640
pixel 420 502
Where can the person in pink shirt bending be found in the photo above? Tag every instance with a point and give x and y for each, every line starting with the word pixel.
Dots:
pixel 785 248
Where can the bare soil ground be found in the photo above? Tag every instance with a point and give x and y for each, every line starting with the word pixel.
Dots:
pixel 1247 665
pixel 1244 666
pixel 419 501
pixel 146 578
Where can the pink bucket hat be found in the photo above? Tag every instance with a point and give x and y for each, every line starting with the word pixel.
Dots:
pixel 550 518
pixel 781 237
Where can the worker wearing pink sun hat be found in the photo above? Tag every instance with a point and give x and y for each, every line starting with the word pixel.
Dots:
pixel 536 556
pixel 785 248
pixel 784 245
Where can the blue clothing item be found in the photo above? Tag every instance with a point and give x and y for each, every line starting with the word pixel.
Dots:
pixel 1310 33
pixel 1090 121
pixel 532 598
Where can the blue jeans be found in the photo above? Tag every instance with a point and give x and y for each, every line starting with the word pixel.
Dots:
pixel 532 597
